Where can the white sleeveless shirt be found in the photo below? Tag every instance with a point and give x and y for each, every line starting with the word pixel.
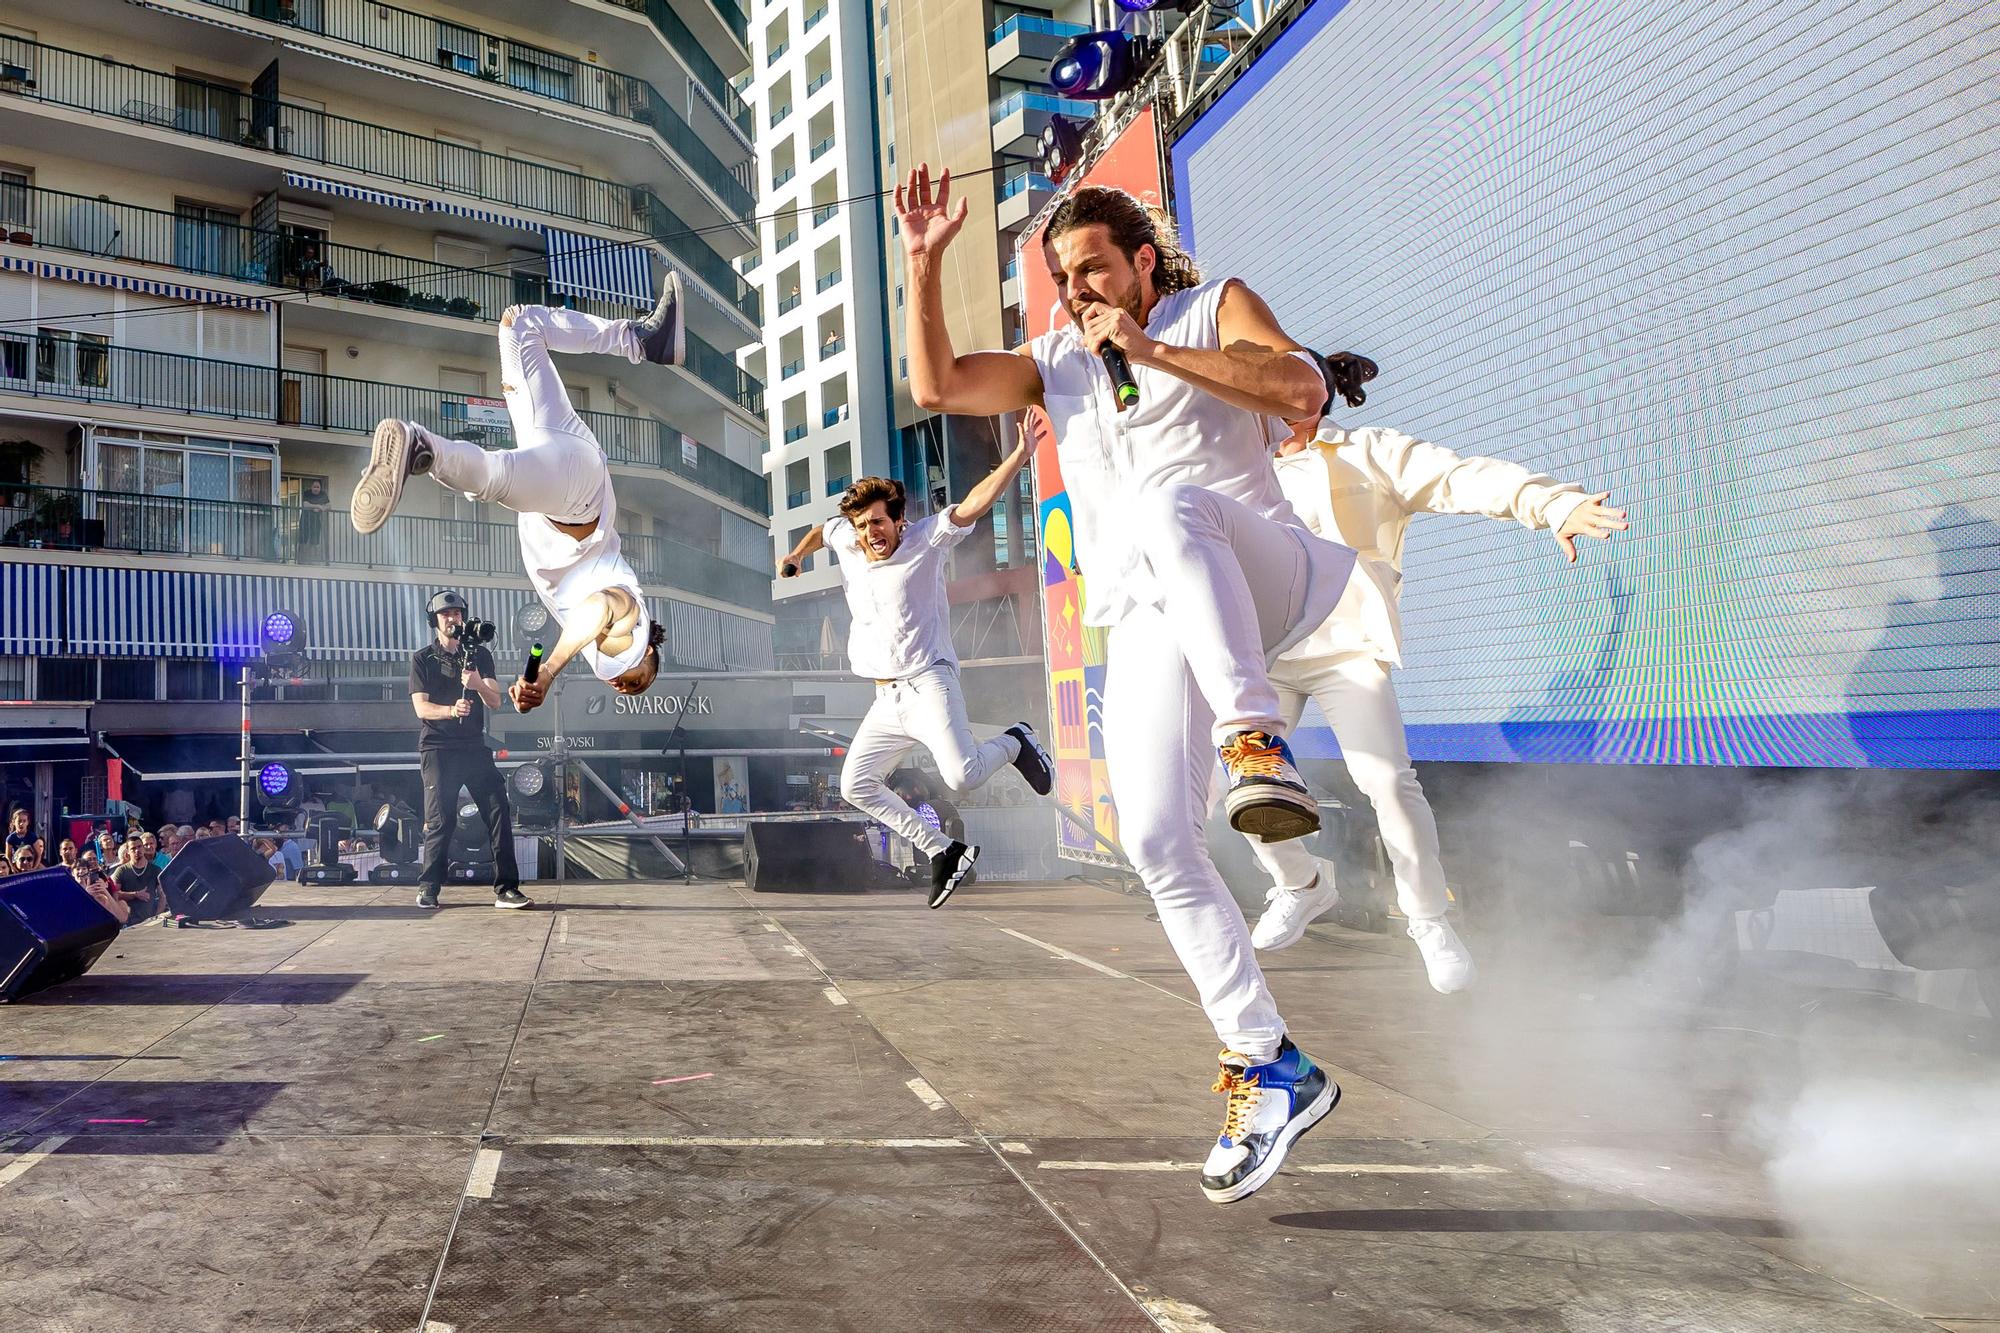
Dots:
pixel 1175 435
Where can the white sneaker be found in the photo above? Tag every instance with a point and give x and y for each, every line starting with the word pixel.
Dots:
pixel 1291 910
pixel 1445 957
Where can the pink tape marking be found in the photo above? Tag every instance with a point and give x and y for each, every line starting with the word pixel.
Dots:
pixel 120 1122
pixel 684 1078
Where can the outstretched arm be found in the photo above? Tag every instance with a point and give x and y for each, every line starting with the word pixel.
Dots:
pixel 1256 366
pixel 790 563
pixel 981 384
pixel 983 496
pixel 1431 479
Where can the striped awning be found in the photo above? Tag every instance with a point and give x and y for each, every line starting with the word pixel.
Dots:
pixel 600 270
pixel 694 636
pixel 30 609
pixel 173 291
pixel 479 214
pixel 298 180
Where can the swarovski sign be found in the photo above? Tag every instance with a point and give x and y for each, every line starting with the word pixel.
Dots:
pixel 650 705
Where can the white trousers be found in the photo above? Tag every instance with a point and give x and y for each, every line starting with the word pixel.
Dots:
pixel 1236 589
pixel 1239 588
pixel 1360 705
pixel 926 709
pixel 556 466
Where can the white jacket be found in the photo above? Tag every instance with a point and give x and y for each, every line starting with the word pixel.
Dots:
pixel 1362 487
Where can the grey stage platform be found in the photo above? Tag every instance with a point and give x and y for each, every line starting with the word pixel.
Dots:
pixel 661 1107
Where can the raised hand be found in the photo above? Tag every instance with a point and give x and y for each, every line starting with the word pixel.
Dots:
pixel 1592 518
pixel 925 216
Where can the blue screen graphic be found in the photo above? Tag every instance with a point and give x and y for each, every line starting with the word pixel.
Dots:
pixel 1734 264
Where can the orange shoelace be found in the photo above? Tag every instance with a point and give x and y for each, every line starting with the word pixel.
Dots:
pixel 1253 754
pixel 1242 1092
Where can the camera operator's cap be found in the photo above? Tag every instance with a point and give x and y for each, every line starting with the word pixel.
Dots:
pixel 444 599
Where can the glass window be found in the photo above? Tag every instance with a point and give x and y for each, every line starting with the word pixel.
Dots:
pixel 121 468
pixel 67 679
pixel 13 678
pixel 129 678
pixel 192 681
pixel 14 198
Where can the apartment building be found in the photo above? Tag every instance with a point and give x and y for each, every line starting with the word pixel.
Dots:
pixel 235 233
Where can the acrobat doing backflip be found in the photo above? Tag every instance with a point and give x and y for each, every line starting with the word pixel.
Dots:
pixel 894 575
pixel 556 480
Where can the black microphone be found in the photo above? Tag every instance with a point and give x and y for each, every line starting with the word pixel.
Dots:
pixel 1123 386
pixel 534 666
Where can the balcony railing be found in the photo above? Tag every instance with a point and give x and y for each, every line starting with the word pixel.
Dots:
pixel 794 499
pixel 719 369
pixel 81 368
pixel 708 75
pixel 1035 23
pixel 835 485
pixel 833 416
pixel 1011 269
pixel 791 368
pixel 790 303
pixel 819 81
pixel 787 239
pixel 832 348
pixel 490 58
pixel 228 115
pixel 778 113
pixel 824 214
pixel 1026 101
pixel 822 147
pixel 1030 181
pixel 776 53
pixel 783 176
pixel 793 434
pixel 827 279
pixel 72 518
pixel 814 17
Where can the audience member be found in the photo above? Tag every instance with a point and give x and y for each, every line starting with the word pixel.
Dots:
pixel 26 860
pixel 155 853
pixel 67 851
pixel 136 882
pixel 19 831
pixel 97 886
pixel 268 849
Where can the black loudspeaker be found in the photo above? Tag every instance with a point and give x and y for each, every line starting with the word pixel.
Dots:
pixel 809 856
pixel 1937 927
pixel 50 931
pixel 394 872
pixel 215 877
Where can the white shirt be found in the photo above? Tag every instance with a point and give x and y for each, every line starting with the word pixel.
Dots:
pixel 566 572
pixel 1362 487
pixel 902 620
pixel 1176 434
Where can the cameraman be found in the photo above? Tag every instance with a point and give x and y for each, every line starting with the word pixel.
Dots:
pixel 451 687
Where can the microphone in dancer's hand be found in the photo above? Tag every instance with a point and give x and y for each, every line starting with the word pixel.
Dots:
pixel 788 570
pixel 534 666
pixel 1123 386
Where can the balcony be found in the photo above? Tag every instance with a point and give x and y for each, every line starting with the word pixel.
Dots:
pixel 779 112
pixel 819 81
pixel 790 303
pixel 798 499
pixel 79 369
pixel 296 133
pixel 832 417
pixel 793 434
pixel 521 66
pixel 822 148
pixel 1021 199
pixel 163 525
pixel 776 53
pixel 827 280
pixel 1018 120
pixel 1022 47
pixel 783 176
pixel 786 239
pixel 814 17
pixel 791 368
pixel 708 75
pixel 832 348
pixel 835 485
pixel 824 214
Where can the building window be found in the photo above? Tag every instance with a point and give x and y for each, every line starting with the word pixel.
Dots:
pixel 129 678
pixel 14 198
pixel 76 360
pixel 67 679
pixel 13 678
pixel 798 535
pixel 458 49
pixel 208 239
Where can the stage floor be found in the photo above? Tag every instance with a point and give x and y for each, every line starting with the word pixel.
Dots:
pixel 647 1107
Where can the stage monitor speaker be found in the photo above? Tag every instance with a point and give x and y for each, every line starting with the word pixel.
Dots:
pixel 50 931
pixel 395 872
pixel 469 872
pixel 807 856
pixel 211 878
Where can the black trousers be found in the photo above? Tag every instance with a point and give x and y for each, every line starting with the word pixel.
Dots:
pixel 445 771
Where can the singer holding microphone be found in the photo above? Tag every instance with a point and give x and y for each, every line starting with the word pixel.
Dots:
pixel 1160 390
pixel 451 687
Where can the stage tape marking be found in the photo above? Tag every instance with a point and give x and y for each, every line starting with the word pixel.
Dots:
pixel 27 1161
pixel 562 927
pixel 926 1094
pixel 1179 1316
pixel 708 1141
pixel 771 926
pixel 1316 1168
pixel 833 996
pixel 795 951
pixel 485 1170
pixel 1010 1145
pixel 433 1326
pixel 1061 952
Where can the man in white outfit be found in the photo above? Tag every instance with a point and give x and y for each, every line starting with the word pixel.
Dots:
pixel 894 571
pixel 557 482
pixel 1362 487
pixel 1198 567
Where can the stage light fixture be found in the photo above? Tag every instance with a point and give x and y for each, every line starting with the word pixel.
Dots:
pixel 534 792
pixel 278 785
pixel 530 620
pixel 1149 6
pixel 1062 145
pixel 1099 65
pixel 281 636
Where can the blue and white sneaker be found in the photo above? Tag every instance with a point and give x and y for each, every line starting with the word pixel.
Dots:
pixel 1267 798
pixel 1268 1107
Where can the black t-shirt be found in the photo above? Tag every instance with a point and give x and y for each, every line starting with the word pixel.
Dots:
pixel 435 672
pixel 16 841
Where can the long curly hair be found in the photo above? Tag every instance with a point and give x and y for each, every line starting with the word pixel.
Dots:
pixel 1132 223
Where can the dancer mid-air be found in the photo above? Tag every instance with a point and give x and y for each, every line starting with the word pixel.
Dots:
pixel 557 482
pixel 901 639
pixel 1362 487
pixel 1193 560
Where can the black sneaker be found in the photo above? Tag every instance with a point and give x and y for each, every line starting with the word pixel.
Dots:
pixel 663 334
pixel 401 450
pixel 949 869
pixel 428 897
pixel 1035 763
pixel 512 898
